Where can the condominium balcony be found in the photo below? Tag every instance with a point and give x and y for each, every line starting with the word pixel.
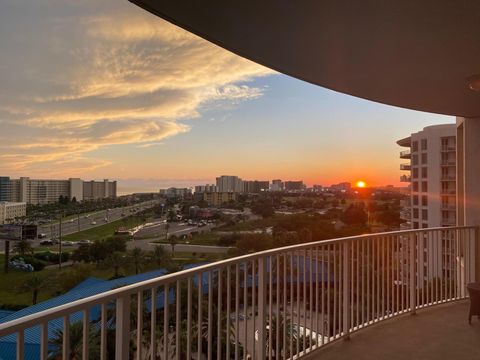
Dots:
pixel 451 162
pixel 290 303
pixel 405 178
pixel 405 154
pixel 448 191
pixel 449 207
pixel 405 167
pixel 449 177
pixel 449 148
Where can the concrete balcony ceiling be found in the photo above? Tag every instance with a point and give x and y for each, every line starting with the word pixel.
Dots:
pixel 420 55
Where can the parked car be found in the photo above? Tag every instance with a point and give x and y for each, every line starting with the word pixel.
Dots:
pixel 46 242
pixel 67 243
pixel 93 223
pixel 42 236
pixel 85 241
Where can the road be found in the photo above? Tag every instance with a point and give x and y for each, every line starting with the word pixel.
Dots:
pixel 91 220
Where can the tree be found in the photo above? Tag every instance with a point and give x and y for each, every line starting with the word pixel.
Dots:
pixel 354 215
pixel 116 260
pixel 34 285
pixel 137 258
pixel 23 247
pixel 173 240
pixel 160 256
pixel 76 343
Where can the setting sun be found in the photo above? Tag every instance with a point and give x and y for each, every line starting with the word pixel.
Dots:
pixel 361 184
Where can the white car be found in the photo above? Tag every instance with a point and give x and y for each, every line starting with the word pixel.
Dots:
pixel 93 223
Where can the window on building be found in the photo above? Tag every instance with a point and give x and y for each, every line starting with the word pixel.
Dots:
pixel 415 199
pixel 425 225
pixel 414 159
pixel 415 225
pixel 424 200
pixel 424 144
pixel 424 172
pixel 424 186
pixel 415 146
pixel 415 213
pixel 414 186
pixel 415 173
pixel 424 214
pixel 424 158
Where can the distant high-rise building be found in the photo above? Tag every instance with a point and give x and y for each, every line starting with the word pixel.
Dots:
pixel 431 172
pixel 294 185
pixel 277 185
pixel 226 183
pixel 205 188
pixel 255 186
pixel 44 191
pixel 174 192
pixel 317 188
pixel 343 186
pixel 219 198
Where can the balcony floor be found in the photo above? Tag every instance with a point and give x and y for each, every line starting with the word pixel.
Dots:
pixel 441 332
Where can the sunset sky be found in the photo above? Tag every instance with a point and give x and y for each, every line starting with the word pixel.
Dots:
pixel 102 89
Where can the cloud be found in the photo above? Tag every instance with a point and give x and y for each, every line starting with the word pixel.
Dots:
pixel 81 76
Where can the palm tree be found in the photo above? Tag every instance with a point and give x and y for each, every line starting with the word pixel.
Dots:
pixel 76 342
pixel 116 260
pixel 137 257
pixel 23 247
pixel 33 285
pixel 160 256
pixel 173 241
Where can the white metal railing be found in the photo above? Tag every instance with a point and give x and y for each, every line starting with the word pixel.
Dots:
pixel 281 303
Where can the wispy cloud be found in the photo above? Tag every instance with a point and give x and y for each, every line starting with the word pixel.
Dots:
pixel 80 76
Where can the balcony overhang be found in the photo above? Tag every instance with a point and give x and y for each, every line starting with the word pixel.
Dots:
pixel 416 55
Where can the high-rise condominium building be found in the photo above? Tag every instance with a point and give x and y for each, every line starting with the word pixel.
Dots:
pixel 44 191
pixel 277 185
pixel 431 172
pixel 255 186
pixel 205 188
pixel 294 185
pixel 226 183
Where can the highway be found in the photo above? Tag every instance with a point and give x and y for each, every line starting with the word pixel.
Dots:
pixel 91 220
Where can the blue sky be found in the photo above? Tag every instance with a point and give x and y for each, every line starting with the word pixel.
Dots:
pixel 104 89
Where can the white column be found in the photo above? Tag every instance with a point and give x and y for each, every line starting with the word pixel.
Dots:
pixel 468 178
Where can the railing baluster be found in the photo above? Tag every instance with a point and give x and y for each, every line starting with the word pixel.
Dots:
pixel 103 332
pixel 284 307
pixel 270 299
pixel 139 324
pixel 153 324
pixel 219 314
pixel 209 315
pixel 21 345
pixel 66 338
pixel 44 341
pixel 86 335
pixel 200 316
pixel 237 310
pixel 277 311
pixel 245 309
pixel 122 329
pixel 254 310
pixel 166 328
pixel 189 318
pixel 346 288
pixel 262 298
pixel 229 302
pixel 178 322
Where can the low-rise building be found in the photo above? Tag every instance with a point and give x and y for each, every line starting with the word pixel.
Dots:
pixel 10 211
pixel 219 198
pixel 174 192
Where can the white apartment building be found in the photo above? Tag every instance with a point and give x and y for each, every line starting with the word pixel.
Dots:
pixel 44 191
pixel 226 183
pixel 205 188
pixel 277 185
pixel 12 210
pixel 431 172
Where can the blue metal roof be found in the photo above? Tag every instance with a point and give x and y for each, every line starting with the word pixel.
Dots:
pixel 83 290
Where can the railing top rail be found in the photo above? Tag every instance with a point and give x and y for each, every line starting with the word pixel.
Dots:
pixel 105 297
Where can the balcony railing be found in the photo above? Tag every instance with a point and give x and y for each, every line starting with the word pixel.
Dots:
pixel 449 177
pixel 405 178
pixel 405 167
pixel 405 154
pixel 280 303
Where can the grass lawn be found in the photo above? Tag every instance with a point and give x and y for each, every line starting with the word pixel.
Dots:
pixel 251 224
pixel 103 231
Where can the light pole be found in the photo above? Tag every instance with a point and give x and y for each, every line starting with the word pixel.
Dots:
pixel 60 242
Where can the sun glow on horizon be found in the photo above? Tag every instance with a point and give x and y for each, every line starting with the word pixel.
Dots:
pixel 361 184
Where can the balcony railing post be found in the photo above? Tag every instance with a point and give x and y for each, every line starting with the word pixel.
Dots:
pixel 262 286
pixel 412 271
pixel 346 289
pixel 122 328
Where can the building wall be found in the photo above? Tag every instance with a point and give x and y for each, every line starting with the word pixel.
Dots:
pixel 219 198
pixel 12 210
pixel 227 183
pixel 432 175
pixel 99 189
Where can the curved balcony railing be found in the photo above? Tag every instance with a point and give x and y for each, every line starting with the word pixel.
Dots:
pixel 281 303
